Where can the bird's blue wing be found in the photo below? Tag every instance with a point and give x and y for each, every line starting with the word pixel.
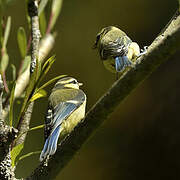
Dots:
pixel 50 145
pixel 121 63
pixel 61 112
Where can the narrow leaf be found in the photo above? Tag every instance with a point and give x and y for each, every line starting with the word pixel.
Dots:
pixel 39 94
pixel 4 62
pixel 56 9
pixel 50 82
pixel 29 154
pixel 46 67
pixel 13 72
pixel 42 5
pixel 43 24
pixel 22 41
pixel 11 105
pixel 48 62
pixel 6 33
pixel 15 152
pixel 36 127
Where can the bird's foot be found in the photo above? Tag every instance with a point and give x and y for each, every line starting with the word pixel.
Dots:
pixel 143 51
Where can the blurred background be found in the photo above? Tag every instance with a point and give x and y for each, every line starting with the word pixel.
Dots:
pixel 141 139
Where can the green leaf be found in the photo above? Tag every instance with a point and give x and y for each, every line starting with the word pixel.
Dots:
pixel 26 64
pixel 49 62
pixel 29 154
pixel 50 82
pixel 6 32
pixel 13 72
pixel 42 5
pixel 15 152
pixel 36 127
pixel 46 67
pixel 11 105
pixel 42 21
pixel 56 9
pixel 4 62
pixel 22 41
pixel 39 94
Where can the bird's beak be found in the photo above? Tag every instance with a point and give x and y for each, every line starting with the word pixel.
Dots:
pixel 80 84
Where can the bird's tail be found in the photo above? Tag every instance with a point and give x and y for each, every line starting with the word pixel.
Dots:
pixel 50 145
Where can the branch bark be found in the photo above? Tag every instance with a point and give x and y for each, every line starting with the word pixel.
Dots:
pixel 7 135
pixel 23 124
pixel 162 48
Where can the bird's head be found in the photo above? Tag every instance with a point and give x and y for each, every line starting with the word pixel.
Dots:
pixel 102 34
pixel 67 82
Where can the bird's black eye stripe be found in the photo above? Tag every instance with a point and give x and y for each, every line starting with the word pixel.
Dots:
pixel 74 82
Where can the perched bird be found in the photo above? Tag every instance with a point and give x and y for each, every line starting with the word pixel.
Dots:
pixel 66 109
pixel 116 49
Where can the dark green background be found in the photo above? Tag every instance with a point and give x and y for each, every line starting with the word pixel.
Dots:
pixel 141 140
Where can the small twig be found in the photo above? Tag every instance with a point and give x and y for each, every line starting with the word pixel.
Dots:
pixel 49 24
pixel 163 47
pixel 5 82
pixel 29 44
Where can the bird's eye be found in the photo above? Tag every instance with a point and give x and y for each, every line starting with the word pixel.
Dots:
pixel 74 82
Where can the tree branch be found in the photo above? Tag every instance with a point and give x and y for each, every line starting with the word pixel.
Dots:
pixel 163 47
pixel 35 32
pixel 7 135
pixel 23 124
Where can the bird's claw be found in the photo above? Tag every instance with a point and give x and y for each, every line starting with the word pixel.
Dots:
pixel 143 51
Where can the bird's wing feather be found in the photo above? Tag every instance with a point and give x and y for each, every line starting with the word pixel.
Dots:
pixel 50 145
pixel 61 112
pixel 117 48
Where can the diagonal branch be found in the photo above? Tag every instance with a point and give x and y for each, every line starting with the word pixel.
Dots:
pixel 163 47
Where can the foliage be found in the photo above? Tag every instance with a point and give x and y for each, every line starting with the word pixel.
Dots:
pixel 15 152
pixel 34 89
pixel 22 41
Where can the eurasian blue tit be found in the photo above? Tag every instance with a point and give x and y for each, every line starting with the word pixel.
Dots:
pixel 116 49
pixel 66 109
